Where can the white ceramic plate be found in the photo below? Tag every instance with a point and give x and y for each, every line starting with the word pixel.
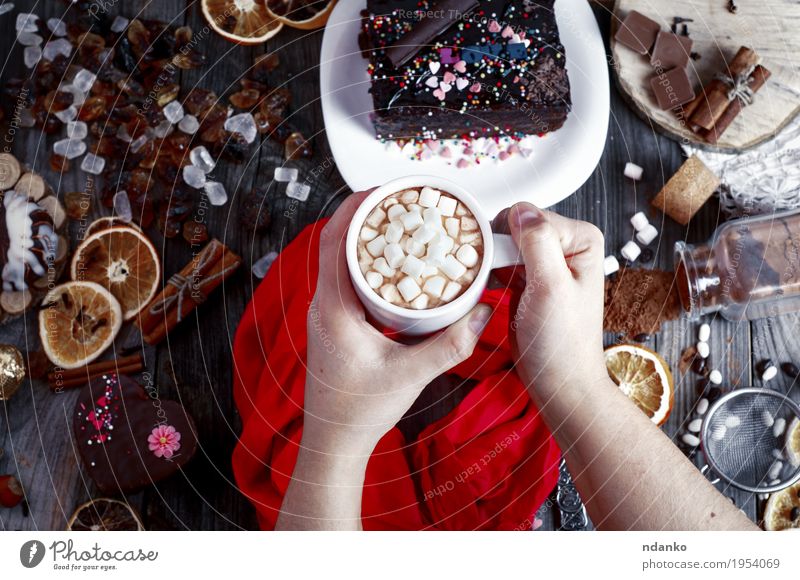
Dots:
pixel 560 162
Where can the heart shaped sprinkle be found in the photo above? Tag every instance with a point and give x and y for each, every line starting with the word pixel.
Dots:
pixel 516 39
pixel 432 82
pixel 445 87
pixel 434 66
pixel 494 26
pixel 439 94
pixel 461 84
pixel 449 78
pixel 476 88
pixel 508 32
pixel 460 66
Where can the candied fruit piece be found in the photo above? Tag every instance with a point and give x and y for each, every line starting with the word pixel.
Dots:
pixel 296 147
pixel 276 103
pixel 199 100
pixel 245 99
pixel 93 108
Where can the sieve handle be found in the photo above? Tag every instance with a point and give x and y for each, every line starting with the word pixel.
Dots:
pixel 705 470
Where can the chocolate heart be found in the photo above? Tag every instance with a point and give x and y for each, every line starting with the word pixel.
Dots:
pixel 127 437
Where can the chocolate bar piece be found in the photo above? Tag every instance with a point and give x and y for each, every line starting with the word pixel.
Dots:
pixel 637 32
pixel 671 50
pixel 672 88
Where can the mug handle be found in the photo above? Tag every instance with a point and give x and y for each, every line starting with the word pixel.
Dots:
pixel 506 252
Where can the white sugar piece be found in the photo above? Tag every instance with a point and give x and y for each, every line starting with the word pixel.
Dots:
pixel 704 333
pixel 31 56
pixel 69 148
pixel 468 256
pixel 298 191
pixel 216 193
pixel 434 286
pixel 719 432
pixel 647 235
pixel 163 129
pixel 286 174
pixel 631 251
pixel 409 196
pixel 633 171
pixel 639 221
pixel 429 197
pixel 690 439
pixel 122 206
pixel 411 220
pixel 610 265
pixel 732 421
pixel 394 255
pixel 194 176
pixel 767 418
pixel 452 268
pixel 119 24
pixel 29 39
pixel 779 427
pixel 702 406
pixel 703 349
pixel 413 267
pixel 26 22
pixel 715 377
pixel 447 206
pixel 424 234
pixel 453 227
pixel 695 425
pixel 377 246
pixel 201 158
pixel 367 233
pixel 263 264
pixel 84 80
pixel 78 96
pixel 59 46
pixel 414 248
pixel 395 211
pixel 93 164
pixel 139 142
pixel 468 224
pixel 389 293
pixel 374 279
pixel 189 124
pixel 451 291
pixel 432 215
pixel 376 217
pixel 173 111
pixel 420 302
pixel 394 232
pixel 408 288
pixel 78 129
pixel 6 7
pixel 244 125
pixel 382 267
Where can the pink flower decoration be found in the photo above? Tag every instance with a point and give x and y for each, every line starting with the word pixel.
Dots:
pixel 164 441
pixel 494 26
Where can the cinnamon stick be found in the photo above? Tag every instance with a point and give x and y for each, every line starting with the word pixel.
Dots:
pixel 205 285
pixel 757 80
pixel 78 377
pixel 715 94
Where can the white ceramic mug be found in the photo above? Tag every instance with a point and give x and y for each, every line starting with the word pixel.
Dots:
pixel 499 251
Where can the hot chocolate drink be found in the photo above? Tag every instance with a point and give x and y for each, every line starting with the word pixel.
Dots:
pixel 420 248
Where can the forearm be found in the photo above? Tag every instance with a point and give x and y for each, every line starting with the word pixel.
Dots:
pixel 630 475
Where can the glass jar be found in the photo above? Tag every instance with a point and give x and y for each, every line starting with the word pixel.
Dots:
pixel 750 269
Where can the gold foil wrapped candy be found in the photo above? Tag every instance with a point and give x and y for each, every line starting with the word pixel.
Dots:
pixel 12 371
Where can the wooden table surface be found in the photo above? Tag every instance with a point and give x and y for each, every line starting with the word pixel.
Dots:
pixel 193 365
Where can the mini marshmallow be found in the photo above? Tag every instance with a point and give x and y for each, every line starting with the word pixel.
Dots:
pixel 467 256
pixel 414 207
pixel 468 224
pixel 453 227
pixel 639 221
pixel 389 293
pixel 469 237
pixel 411 220
pixel 715 377
pixel 376 246
pixel 409 196
pixel 610 265
pixel 452 268
pixel 429 197
pixel 413 266
pixel 374 280
pixel 414 248
pixel 420 302
pixel 469 276
pixel 390 201
pixel 434 286
pixel 450 291
pixel 395 212
pixel 394 232
pixel 432 216
pixel 703 349
pixel 394 255
pixel 447 206
pixel 368 234
pixel 436 254
pixel 408 288
pixel 375 219
pixel 424 234
pixel 630 251
pixel 633 171
pixel 704 333
pixel 382 267
pixel 443 240
pixel 647 235
pixel 461 210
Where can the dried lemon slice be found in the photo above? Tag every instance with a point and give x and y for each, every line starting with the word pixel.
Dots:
pixel 644 377
pixel 241 21
pixel 105 515
pixel 782 505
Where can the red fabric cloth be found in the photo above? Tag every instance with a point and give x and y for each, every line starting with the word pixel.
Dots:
pixel 489 464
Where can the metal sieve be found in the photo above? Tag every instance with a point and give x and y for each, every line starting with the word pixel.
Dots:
pixel 740 444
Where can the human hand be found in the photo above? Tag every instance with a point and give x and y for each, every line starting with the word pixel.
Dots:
pixel 556 329
pixel 360 383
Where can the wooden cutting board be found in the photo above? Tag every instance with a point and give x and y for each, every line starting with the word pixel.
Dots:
pixel 770 27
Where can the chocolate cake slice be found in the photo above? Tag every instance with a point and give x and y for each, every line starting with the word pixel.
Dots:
pixel 465 69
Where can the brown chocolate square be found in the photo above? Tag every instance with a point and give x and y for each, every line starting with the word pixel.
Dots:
pixel 637 32
pixel 672 88
pixel 671 50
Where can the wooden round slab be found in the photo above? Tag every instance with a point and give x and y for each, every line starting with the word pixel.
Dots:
pixel 770 27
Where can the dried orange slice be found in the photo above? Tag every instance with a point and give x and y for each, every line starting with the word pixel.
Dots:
pixel 302 14
pixel 122 260
pixel 241 21
pixel 105 515
pixel 107 222
pixel 793 442
pixel 77 322
pixel 644 377
pixel 782 505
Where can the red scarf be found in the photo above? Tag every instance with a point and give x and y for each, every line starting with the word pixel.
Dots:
pixel 489 464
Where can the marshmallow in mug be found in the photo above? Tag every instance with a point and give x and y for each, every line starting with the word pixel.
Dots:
pixel 420 248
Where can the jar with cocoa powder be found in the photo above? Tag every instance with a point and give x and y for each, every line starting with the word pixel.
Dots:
pixel 749 269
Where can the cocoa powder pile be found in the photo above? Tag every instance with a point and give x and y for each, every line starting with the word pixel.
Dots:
pixel 638 301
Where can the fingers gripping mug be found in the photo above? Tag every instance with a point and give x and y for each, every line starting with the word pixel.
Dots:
pixel 420 250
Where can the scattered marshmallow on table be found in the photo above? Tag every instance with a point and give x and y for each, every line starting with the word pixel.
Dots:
pixel 647 234
pixel 633 171
pixel 715 377
pixel 631 251
pixel 703 349
pixel 704 333
pixel 639 221
pixel 610 265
